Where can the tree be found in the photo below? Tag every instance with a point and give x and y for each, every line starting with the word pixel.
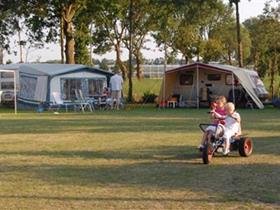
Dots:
pixel 265 51
pixel 239 43
pixel 45 20
pixel 9 12
pixel 109 28
pixel 143 22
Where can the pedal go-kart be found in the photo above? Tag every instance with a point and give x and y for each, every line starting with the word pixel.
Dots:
pixel 240 143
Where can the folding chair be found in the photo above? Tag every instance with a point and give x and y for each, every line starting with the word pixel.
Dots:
pixel 58 102
pixel 82 102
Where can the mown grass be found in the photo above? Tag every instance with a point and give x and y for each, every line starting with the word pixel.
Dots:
pixel 134 159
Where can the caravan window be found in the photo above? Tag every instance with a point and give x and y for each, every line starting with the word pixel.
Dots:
pixel 7 85
pixel 214 77
pixel 7 75
pixel 186 79
pixel 229 80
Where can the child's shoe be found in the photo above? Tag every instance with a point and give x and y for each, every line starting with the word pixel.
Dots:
pixel 226 151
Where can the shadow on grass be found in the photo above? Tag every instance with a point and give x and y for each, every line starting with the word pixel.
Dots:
pixel 244 183
pixel 159 168
pixel 159 153
pixel 35 126
pixel 266 145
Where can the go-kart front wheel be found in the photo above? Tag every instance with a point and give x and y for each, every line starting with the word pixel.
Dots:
pixel 245 147
pixel 207 154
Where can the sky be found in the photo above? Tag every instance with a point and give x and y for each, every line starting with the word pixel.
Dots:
pixel 52 51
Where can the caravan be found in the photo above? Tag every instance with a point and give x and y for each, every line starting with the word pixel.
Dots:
pixel 196 84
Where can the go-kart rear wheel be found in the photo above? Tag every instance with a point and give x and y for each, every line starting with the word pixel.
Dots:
pixel 207 154
pixel 245 147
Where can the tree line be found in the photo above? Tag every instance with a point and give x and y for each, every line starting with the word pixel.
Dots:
pixel 200 30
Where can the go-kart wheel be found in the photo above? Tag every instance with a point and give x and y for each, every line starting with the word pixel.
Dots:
pixel 207 154
pixel 245 147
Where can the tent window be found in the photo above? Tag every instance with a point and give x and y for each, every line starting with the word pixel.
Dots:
pixel 69 86
pixel 95 86
pixel 214 77
pixel 7 85
pixel 7 75
pixel 229 80
pixel 186 79
pixel 27 86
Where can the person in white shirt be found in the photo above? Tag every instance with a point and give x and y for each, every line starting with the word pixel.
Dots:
pixel 232 125
pixel 116 83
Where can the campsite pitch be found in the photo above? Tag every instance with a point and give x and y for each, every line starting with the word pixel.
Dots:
pixel 137 159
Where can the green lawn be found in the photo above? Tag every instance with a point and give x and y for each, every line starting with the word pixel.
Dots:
pixel 133 159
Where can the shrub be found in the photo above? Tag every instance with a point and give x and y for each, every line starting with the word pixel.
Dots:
pixel 149 97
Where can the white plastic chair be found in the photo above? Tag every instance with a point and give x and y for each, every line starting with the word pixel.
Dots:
pixel 82 102
pixel 58 102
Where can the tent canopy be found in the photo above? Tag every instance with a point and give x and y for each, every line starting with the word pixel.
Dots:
pixel 240 73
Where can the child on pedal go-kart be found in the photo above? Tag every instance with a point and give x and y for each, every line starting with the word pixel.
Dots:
pixel 232 125
pixel 217 115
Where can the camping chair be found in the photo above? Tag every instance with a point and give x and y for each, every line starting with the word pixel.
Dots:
pixel 82 102
pixel 58 102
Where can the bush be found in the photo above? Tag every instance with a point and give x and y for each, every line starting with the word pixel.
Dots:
pixel 149 97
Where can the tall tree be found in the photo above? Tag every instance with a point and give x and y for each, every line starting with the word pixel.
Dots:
pixel 143 22
pixel 109 28
pixel 239 43
pixel 45 20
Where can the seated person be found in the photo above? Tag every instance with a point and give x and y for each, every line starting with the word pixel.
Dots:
pixel 217 113
pixel 232 125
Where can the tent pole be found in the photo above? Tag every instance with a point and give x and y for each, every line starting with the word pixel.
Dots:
pixel 233 92
pixel 197 86
pixel 15 92
pixel 164 70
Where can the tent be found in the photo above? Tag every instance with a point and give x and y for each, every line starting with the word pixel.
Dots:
pixel 37 82
pixel 196 84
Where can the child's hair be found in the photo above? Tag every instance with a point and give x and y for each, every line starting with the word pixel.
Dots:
pixel 230 106
pixel 223 99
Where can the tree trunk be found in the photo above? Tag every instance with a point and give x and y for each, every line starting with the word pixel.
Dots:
pixel 229 57
pixel 119 62
pixel 186 59
pixel 138 65
pixel 272 70
pixel 68 14
pixel 239 44
pixel 20 47
pixel 62 39
pixel 70 43
pixel 256 61
pixel 1 55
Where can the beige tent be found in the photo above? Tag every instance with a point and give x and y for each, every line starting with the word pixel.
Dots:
pixel 196 84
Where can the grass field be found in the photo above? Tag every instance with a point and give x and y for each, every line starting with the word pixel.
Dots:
pixel 133 159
